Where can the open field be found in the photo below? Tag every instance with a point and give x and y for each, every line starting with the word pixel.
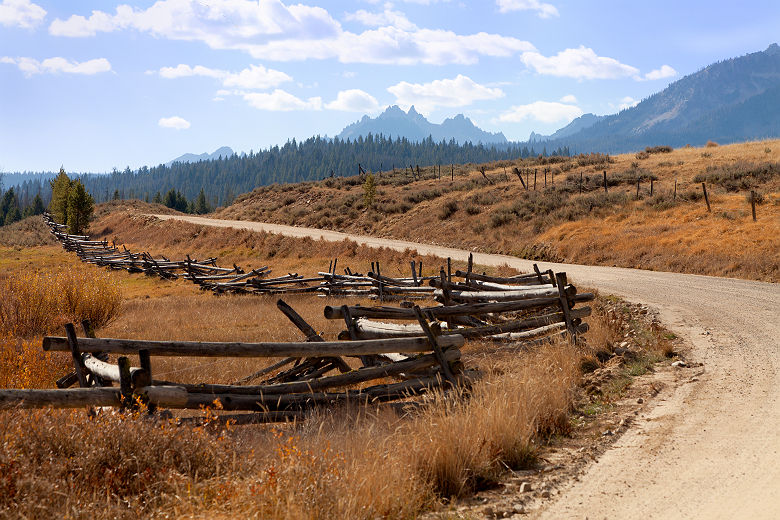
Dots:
pixel 342 463
pixel 556 222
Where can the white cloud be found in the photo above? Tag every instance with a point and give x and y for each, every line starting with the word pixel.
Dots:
pixel 543 111
pixel 570 98
pixel 457 92
pixel 664 72
pixel 57 65
pixel 385 18
pixel 580 63
pixel 270 30
pixel 628 102
pixel 254 77
pixel 543 10
pixel 354 100
pixel 21 13
pixel 183 71
pixel 175 122
pixel 281 101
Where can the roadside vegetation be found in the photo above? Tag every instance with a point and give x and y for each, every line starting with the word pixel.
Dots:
pixel 569 216
pixel 338 463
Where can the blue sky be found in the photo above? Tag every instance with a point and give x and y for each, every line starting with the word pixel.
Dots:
pixel 93 85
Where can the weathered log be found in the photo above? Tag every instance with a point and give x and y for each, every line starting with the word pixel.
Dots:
pixel 165 396
pixel 360 375
pixel 497 296
pixel 268 349
pixel 523 279
pixel 274 402
pixel 466 309
pixel 367 329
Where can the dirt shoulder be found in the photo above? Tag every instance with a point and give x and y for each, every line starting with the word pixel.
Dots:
pixel 708 449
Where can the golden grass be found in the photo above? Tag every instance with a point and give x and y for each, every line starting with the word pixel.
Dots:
pixel 349 462
pixel 36 302
pixel 500 216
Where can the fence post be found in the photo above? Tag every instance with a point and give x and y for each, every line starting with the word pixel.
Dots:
pixel 651 186
pixel 580 182
pixel 534 179
pixel 78 363
pixel 706 197
pixel 753 203
pixel 605 181
pixel 674 197
pixel 637 189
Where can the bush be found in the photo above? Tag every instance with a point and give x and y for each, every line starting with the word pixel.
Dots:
pixel 712 144
pixel 642 155
pixel 449 209
pixel 740 175
pixel 39 302
pixel 658 149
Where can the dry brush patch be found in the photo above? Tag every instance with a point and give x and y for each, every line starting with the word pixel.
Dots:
pixel 498 215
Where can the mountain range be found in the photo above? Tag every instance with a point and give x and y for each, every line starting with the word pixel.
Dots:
pixel 412 125
pixel 224 152
pixel 732 100
pixel 737 99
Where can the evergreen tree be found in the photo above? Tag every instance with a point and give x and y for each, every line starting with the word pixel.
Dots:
pixel 157 198
pixel 80 209
pixel 13 214
pixel 60 188
pixel 37 205
pixel 201 206
pixel 116 195
pixel 5 204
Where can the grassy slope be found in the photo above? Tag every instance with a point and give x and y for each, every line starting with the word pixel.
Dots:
pixel 557 223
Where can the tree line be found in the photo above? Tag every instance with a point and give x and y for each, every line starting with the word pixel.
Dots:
pixel 201 186
pixel 223 179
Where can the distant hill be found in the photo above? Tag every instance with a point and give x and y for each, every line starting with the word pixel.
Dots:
pixel 729 101
pixel 223 152
pixel 412 125
pixel 581 123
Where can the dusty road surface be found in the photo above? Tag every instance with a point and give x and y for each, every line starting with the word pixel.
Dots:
pixel 709 448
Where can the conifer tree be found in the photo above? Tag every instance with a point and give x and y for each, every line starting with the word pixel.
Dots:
pixel 80 209
pixel 60 188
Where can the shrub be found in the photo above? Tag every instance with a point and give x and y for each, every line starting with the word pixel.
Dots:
pixel 642 155
pixel 501 218
pixel 472 209
pixel 39 302
pixel 740 175
pixel 449 209
pixel 712 144
pixel 658 149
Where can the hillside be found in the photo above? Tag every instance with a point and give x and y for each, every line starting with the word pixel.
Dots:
pixel 670 230
pixel 219 153
pixel 731 100
pixel 415 127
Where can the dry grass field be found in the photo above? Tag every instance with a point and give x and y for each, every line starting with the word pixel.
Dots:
pixel 569 217
pixel 339 463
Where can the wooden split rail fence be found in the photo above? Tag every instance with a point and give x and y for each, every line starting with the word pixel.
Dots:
pixel 418 356
pixel 209 276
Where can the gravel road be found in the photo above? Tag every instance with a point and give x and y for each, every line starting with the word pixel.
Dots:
pixel 709 448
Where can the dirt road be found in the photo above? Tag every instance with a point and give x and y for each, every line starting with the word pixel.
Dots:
pixel 709 448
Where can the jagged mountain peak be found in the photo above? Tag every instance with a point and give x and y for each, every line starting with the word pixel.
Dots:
pixel 415 127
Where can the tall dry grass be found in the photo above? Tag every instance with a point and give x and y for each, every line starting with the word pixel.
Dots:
pixel 343 463
pixel 37 302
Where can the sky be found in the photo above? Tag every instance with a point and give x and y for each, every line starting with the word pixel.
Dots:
pixel 97 85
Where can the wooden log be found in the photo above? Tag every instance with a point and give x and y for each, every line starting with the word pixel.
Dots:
pixel 73 346
pixel 244 418
pixel 353 377
pixel 465 309
pixel 165 396
pixel 432 337
pixel 275 402
pixel 268 349
pixel 523 279
pixel 496 296
pixel 368 329
pixel 266 370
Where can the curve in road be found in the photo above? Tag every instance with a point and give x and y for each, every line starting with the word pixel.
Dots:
pixel 709 449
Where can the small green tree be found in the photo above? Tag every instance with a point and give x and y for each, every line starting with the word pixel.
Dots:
pixel 201 206
pixel 60 188
pixel 369 190
pixel 116 195
pixel 81 205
